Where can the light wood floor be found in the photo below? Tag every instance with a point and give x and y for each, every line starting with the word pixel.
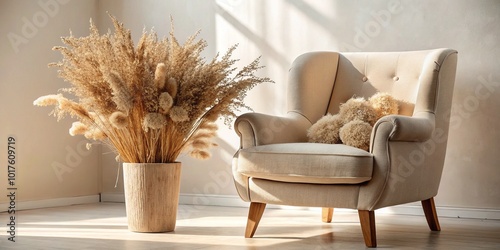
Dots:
pixel 104 226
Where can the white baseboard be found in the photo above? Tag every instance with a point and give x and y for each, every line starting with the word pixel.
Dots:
pixel 407 209
pixel 189 199
pixel 58 202
pixel 112 197
pixel 212 200
pixel 456 212
pixel 235 201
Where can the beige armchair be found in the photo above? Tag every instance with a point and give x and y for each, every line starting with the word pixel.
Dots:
pixel 276 165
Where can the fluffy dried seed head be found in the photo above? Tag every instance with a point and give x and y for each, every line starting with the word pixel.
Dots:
pixel 178 114
pixel 165 102
pixel 95 134
pixel 118 120
pixel 78 128
pixel 384 104
pixel 47 100
pixel 154 121
pixel 357 109
pixel 325 130
pixel 356 134
pixel 172 87
pixel 160 75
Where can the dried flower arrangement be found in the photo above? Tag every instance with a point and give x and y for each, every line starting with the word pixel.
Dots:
pixel 152 102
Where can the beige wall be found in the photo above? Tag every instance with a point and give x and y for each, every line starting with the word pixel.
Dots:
pixel 278 30
pixel 51 164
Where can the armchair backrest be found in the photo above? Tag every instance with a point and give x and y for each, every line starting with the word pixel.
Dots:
pixel 320 81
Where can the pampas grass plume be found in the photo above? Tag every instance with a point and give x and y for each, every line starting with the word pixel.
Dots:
pixel 121 95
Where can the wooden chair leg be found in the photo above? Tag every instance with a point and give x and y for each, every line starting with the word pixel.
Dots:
pixel 327 214
pixel 367 220
pixel 431 215
pixel 254 215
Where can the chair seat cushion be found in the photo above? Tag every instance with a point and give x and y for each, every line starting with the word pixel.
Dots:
pixel 315 163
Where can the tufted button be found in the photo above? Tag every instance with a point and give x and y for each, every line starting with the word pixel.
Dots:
pixel 396 78
pixel 365 78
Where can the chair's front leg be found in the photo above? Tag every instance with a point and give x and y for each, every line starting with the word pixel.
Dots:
pixel 431 214
pixel 254 215
pixel 327 214
pixel 367 220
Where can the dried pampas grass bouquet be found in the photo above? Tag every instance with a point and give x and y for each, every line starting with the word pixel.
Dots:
pixel 152 101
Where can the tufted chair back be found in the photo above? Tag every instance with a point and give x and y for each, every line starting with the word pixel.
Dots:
pixel 321 81
pixel 327 79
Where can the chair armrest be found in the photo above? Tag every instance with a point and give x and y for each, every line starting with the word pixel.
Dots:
pixel 393 138
pixel 416 128
pixel 257 129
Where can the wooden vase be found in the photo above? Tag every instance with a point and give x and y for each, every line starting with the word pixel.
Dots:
pixel 151 196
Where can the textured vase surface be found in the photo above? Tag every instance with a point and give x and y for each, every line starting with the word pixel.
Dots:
pixel 151 196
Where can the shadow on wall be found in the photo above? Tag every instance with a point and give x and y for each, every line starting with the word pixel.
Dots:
pixel 257 40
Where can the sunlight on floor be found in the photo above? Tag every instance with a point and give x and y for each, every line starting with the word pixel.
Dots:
pixel 104 226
